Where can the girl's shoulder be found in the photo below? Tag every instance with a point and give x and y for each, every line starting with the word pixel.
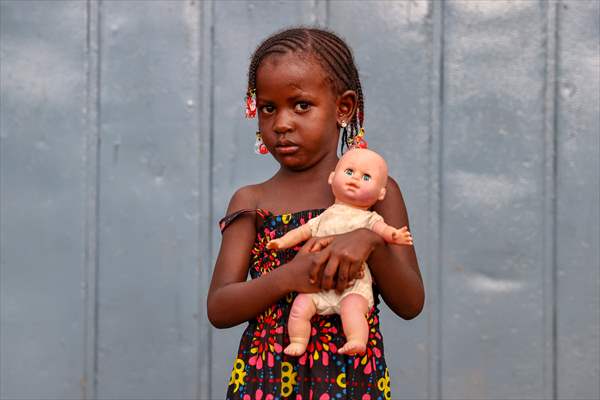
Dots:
pixel 247 197
pixel 243 198
pixel 245 204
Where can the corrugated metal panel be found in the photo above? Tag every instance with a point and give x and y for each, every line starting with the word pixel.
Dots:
pixel 578 201
pixel 148 200
pixel 122 139
pixel 492 208
pixel 43 89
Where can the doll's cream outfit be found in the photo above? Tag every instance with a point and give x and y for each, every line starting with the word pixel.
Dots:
pixel 337 219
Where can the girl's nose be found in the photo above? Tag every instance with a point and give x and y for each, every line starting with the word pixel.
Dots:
pixel 283 122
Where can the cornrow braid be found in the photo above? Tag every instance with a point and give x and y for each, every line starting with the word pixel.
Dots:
pixel 333 54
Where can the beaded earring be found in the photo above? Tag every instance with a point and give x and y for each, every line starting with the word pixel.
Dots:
pixel 259 146
pixel 251 103
pixel 359 140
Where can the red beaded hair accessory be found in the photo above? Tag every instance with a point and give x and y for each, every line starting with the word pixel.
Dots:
pixel 359 141
pixel 251 104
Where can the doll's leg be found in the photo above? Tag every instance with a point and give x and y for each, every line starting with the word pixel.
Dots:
pixel 353 310
pixel 299 324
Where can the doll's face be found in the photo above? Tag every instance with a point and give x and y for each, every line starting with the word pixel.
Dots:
pixel 359 178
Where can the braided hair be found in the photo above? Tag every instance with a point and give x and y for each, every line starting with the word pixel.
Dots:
pixel 331 52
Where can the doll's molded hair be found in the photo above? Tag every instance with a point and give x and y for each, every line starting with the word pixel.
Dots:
pixel 334 55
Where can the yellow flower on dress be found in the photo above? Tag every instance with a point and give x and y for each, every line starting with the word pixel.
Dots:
pixel 237 374
pixel 288 379
pixel 383 384
pixel 341 380
pixel 285 218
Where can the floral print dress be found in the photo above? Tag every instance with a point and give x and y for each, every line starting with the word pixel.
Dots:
pixel 262 371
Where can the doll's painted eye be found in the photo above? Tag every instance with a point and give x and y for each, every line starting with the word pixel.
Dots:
pixel 366 177
pixel 348 171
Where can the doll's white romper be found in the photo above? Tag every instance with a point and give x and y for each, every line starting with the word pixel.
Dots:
pixel 337 219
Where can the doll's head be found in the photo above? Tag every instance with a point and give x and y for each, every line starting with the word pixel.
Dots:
pixel 359 178
pixel 331 56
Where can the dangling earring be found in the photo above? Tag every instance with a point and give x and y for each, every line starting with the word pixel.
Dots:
pixel 251 103
pixel 259 146
pixel 344 126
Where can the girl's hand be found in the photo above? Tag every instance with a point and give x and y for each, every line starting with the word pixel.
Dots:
pixel 303 265
pixel 345 254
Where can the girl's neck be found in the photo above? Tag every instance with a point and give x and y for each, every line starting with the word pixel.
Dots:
pixel 316 173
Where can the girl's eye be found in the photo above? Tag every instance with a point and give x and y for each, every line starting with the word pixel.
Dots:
pixel 348 171
pixel 268 109
pixel 302 106
pixel 366 177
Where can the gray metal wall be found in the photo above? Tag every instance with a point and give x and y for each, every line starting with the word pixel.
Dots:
pixel 122 139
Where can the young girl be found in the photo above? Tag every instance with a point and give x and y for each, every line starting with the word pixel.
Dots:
pixel 306 87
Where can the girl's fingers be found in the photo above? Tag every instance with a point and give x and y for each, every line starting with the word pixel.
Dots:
pixel 320 243
pixel 307 246
pixel 342 279
pixel 356 270
pixel 316 269
pixel 327 281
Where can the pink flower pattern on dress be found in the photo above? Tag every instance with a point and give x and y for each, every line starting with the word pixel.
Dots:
pixel 264 345
pixel 320 343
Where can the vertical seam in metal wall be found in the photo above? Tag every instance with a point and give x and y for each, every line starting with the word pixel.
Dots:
pixel 554 207
pixel 205 166
pixel 319 12
pixel 549 376
pixel 92 202
pixel 210 162
pixel 440 165
pixel 432 256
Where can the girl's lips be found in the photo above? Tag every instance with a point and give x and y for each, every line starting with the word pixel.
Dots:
pixel 287 149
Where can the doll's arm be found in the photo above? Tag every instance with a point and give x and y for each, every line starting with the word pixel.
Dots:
pixel 393 235
pixel 293 237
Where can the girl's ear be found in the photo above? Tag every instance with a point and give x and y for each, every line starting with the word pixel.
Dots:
pixel 346 106
pixel 381 194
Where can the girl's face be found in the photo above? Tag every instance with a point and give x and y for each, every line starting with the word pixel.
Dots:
pixel 296 110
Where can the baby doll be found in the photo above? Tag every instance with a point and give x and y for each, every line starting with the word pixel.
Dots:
pixel 358 182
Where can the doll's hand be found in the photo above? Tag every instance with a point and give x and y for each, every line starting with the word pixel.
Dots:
pixel 401 236
pixel 274 244
pixel 346 254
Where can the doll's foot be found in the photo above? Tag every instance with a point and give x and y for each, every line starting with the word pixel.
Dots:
pixel 295 349
pixel 353 347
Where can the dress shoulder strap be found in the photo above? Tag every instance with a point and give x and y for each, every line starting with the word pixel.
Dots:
pixel 228 219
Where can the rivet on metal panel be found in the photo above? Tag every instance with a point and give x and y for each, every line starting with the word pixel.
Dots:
pixel 567 90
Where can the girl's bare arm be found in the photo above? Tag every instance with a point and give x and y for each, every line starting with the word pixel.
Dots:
pixel 395 268
pixel 231 298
